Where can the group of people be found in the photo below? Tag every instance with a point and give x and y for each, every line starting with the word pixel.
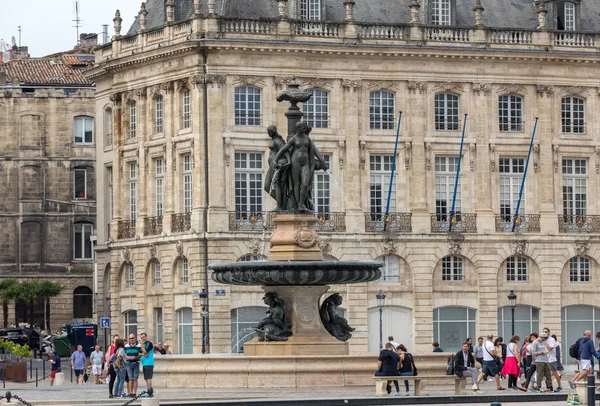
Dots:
pixel 395 360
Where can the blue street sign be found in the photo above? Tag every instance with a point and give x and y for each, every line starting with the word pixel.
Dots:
pixel 220 292
pixel 105 322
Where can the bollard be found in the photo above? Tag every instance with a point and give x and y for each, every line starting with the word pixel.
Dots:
pixel 59 379
pixel 30 368
pixel 43 370
pixel 36 377
pixel 496 404
pixel 591 390
pixel 150 402
pixel 71 375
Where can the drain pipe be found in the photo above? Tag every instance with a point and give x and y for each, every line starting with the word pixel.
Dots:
pixel 206 191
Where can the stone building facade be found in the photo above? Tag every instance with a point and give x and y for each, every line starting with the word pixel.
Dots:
pixel 48 185
pixel 187 96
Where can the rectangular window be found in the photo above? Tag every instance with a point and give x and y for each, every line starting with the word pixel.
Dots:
pixel 131 276
pixel 452 269
pixel 440 12
pixel 310 9
pixel 516 269
pixel 247 106
pixel 446 112
pixel 575 178
pixel 187 183
pixel 133 191
pixel 83 130
pixel 186 109
pixel 80 185
pixel 322 189
pixel 511 175
pixel 185 271
pixel 157 273
pixel 569 16
pixel 510 113
pixel 109 181
pixel 381 110
pixel 316 109
pixel 573 115
pixel 579 269
pixel 82 245
pixel 248 183
pixel 132 119
pixel 158 115
pixel 160 186
pixel 381 167
pixel 158 317
pixel 445 176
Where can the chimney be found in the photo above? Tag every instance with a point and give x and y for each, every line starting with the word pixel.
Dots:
pixel 104 33
pixel 88 40
pixel 19 52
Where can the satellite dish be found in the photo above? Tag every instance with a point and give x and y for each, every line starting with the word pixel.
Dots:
pixel 14 41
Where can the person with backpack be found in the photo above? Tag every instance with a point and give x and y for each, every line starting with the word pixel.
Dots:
pixel 464 365
pixel 407 365
pixel 584 351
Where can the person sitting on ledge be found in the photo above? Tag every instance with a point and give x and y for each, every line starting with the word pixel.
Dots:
pixel 436 347
pixel 388 364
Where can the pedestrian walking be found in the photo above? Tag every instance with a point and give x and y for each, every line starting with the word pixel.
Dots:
pixel 118 360
pixel 524 356
pixel 78 364
pixel 551 345
pixel 542 366
pixel 132 362
pixel 55 368
pixel 586 352
pixel 531 369
pixel 97 361
pixel 558 350
pixel 147 362
pixel 490 366
pixel 511 364
pixel 391 341
pixel 111 373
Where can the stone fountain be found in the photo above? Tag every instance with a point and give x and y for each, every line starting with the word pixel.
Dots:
pixel 296 277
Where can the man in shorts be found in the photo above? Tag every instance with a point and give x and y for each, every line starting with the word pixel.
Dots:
pixel 551 344
pixel 78 364
pixel 490 368
pixel 586 352
pixel 97 359
pixel 55 361
pixel 147 362
pixel 132 364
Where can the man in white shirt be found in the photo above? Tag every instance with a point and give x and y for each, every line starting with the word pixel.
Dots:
pixel 490 367
pixel 552 359
pixel 391 341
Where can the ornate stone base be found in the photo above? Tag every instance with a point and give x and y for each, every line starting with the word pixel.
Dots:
pixel 296 346
pixel 295 238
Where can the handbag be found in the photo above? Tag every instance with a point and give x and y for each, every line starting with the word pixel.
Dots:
pixel 414 368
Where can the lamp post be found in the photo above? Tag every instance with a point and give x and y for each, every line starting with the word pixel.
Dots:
pixel 512 302
pixel 380 302
pixel 204 303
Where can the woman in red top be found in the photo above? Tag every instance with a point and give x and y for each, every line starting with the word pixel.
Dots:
pixel 511 365
pixel 110 370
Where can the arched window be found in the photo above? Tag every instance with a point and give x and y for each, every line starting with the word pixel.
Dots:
pixel 452 325
pixel 510 113
pixel 573 115
pixel 247 106
pixel 316 109
pixel 83 130
pixel 250 257
pixel 381 108
pixel 185 336
pixel 82 246
pixel 108 127
pixel 396 322
pixel 243 321
pixel 158 114
pixel 527 320
pixel 156 270
pixel 310 9
pixel 453 269
pixel 130 323
pixel 579 270
pixel 82 303
pixel 184 270
pixel 446 112
pixel 390 272
pixel 441 12
pixel 516 269
pixel 186 109
pixel 132 119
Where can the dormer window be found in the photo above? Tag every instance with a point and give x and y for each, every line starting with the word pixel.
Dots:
pixel 566 16
pixel 310 9
pixel 441 12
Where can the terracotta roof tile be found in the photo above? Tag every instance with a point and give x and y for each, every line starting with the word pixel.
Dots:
pixel 41 71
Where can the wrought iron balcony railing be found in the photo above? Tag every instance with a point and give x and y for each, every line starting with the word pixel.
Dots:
pixel 331 222
pixel 153 225
pixel 461 223
pixel 578 224
pixel 248 221
pixel 126 229
pixel 181 222
pixel 396 222
pixel 524 222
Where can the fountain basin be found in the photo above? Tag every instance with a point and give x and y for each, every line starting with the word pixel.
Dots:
pixel 296 273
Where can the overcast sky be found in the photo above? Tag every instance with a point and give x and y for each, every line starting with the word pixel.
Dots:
pixel 47 25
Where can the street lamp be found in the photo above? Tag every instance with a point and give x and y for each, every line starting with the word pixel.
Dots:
pixel 380 302
pixel 512 302
pixel 204 303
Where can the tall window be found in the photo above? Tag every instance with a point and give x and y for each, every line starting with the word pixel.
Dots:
pixel 381 107
pixel 316 109
pixel 158 320
pixel 575 176
pixel 310 9
pixel 156 267
pixel 82 246
pixel 247 105
pixel 446 112
pixel 381 166
pixel 440 12
pixel 516 269
pixel 185 270
pixel 186 118
pixel 187 183
pixel 186 335
pixel 160 186
pixel 445 177
pixel 566 16
pixel 133 191
pixel 130 275
pixel 390 272
pixel 453 269
pixel 109 125
pixel 451 325
pixel 243 321
pixel 511 174
pixel 109 178
pixel 579 270
pixel 248 183
pixel 80 184
pixel 130 322
pixel 510 113
pixel 322 189
pixel 83 303
pixel 83 130
pixel 132 119
pixel 158 115
pixel 573 115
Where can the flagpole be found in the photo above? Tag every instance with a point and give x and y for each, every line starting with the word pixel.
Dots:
pixel 514 225
pixel 387 206
pixel 462 142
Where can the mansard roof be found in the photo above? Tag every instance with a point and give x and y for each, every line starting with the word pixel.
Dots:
pixel 498 13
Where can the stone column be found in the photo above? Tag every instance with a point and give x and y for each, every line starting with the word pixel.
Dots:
pixel 422 270
pixel 547 168
pixel 479 127
pixel 416 131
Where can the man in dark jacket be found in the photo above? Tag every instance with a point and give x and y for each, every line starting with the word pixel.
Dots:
pixel 587 352
pixel 464 365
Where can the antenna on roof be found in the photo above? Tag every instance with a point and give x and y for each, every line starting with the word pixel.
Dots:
pixel 77 20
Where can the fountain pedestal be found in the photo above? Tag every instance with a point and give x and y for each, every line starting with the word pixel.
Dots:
pixel 310 337
pixel 295 238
